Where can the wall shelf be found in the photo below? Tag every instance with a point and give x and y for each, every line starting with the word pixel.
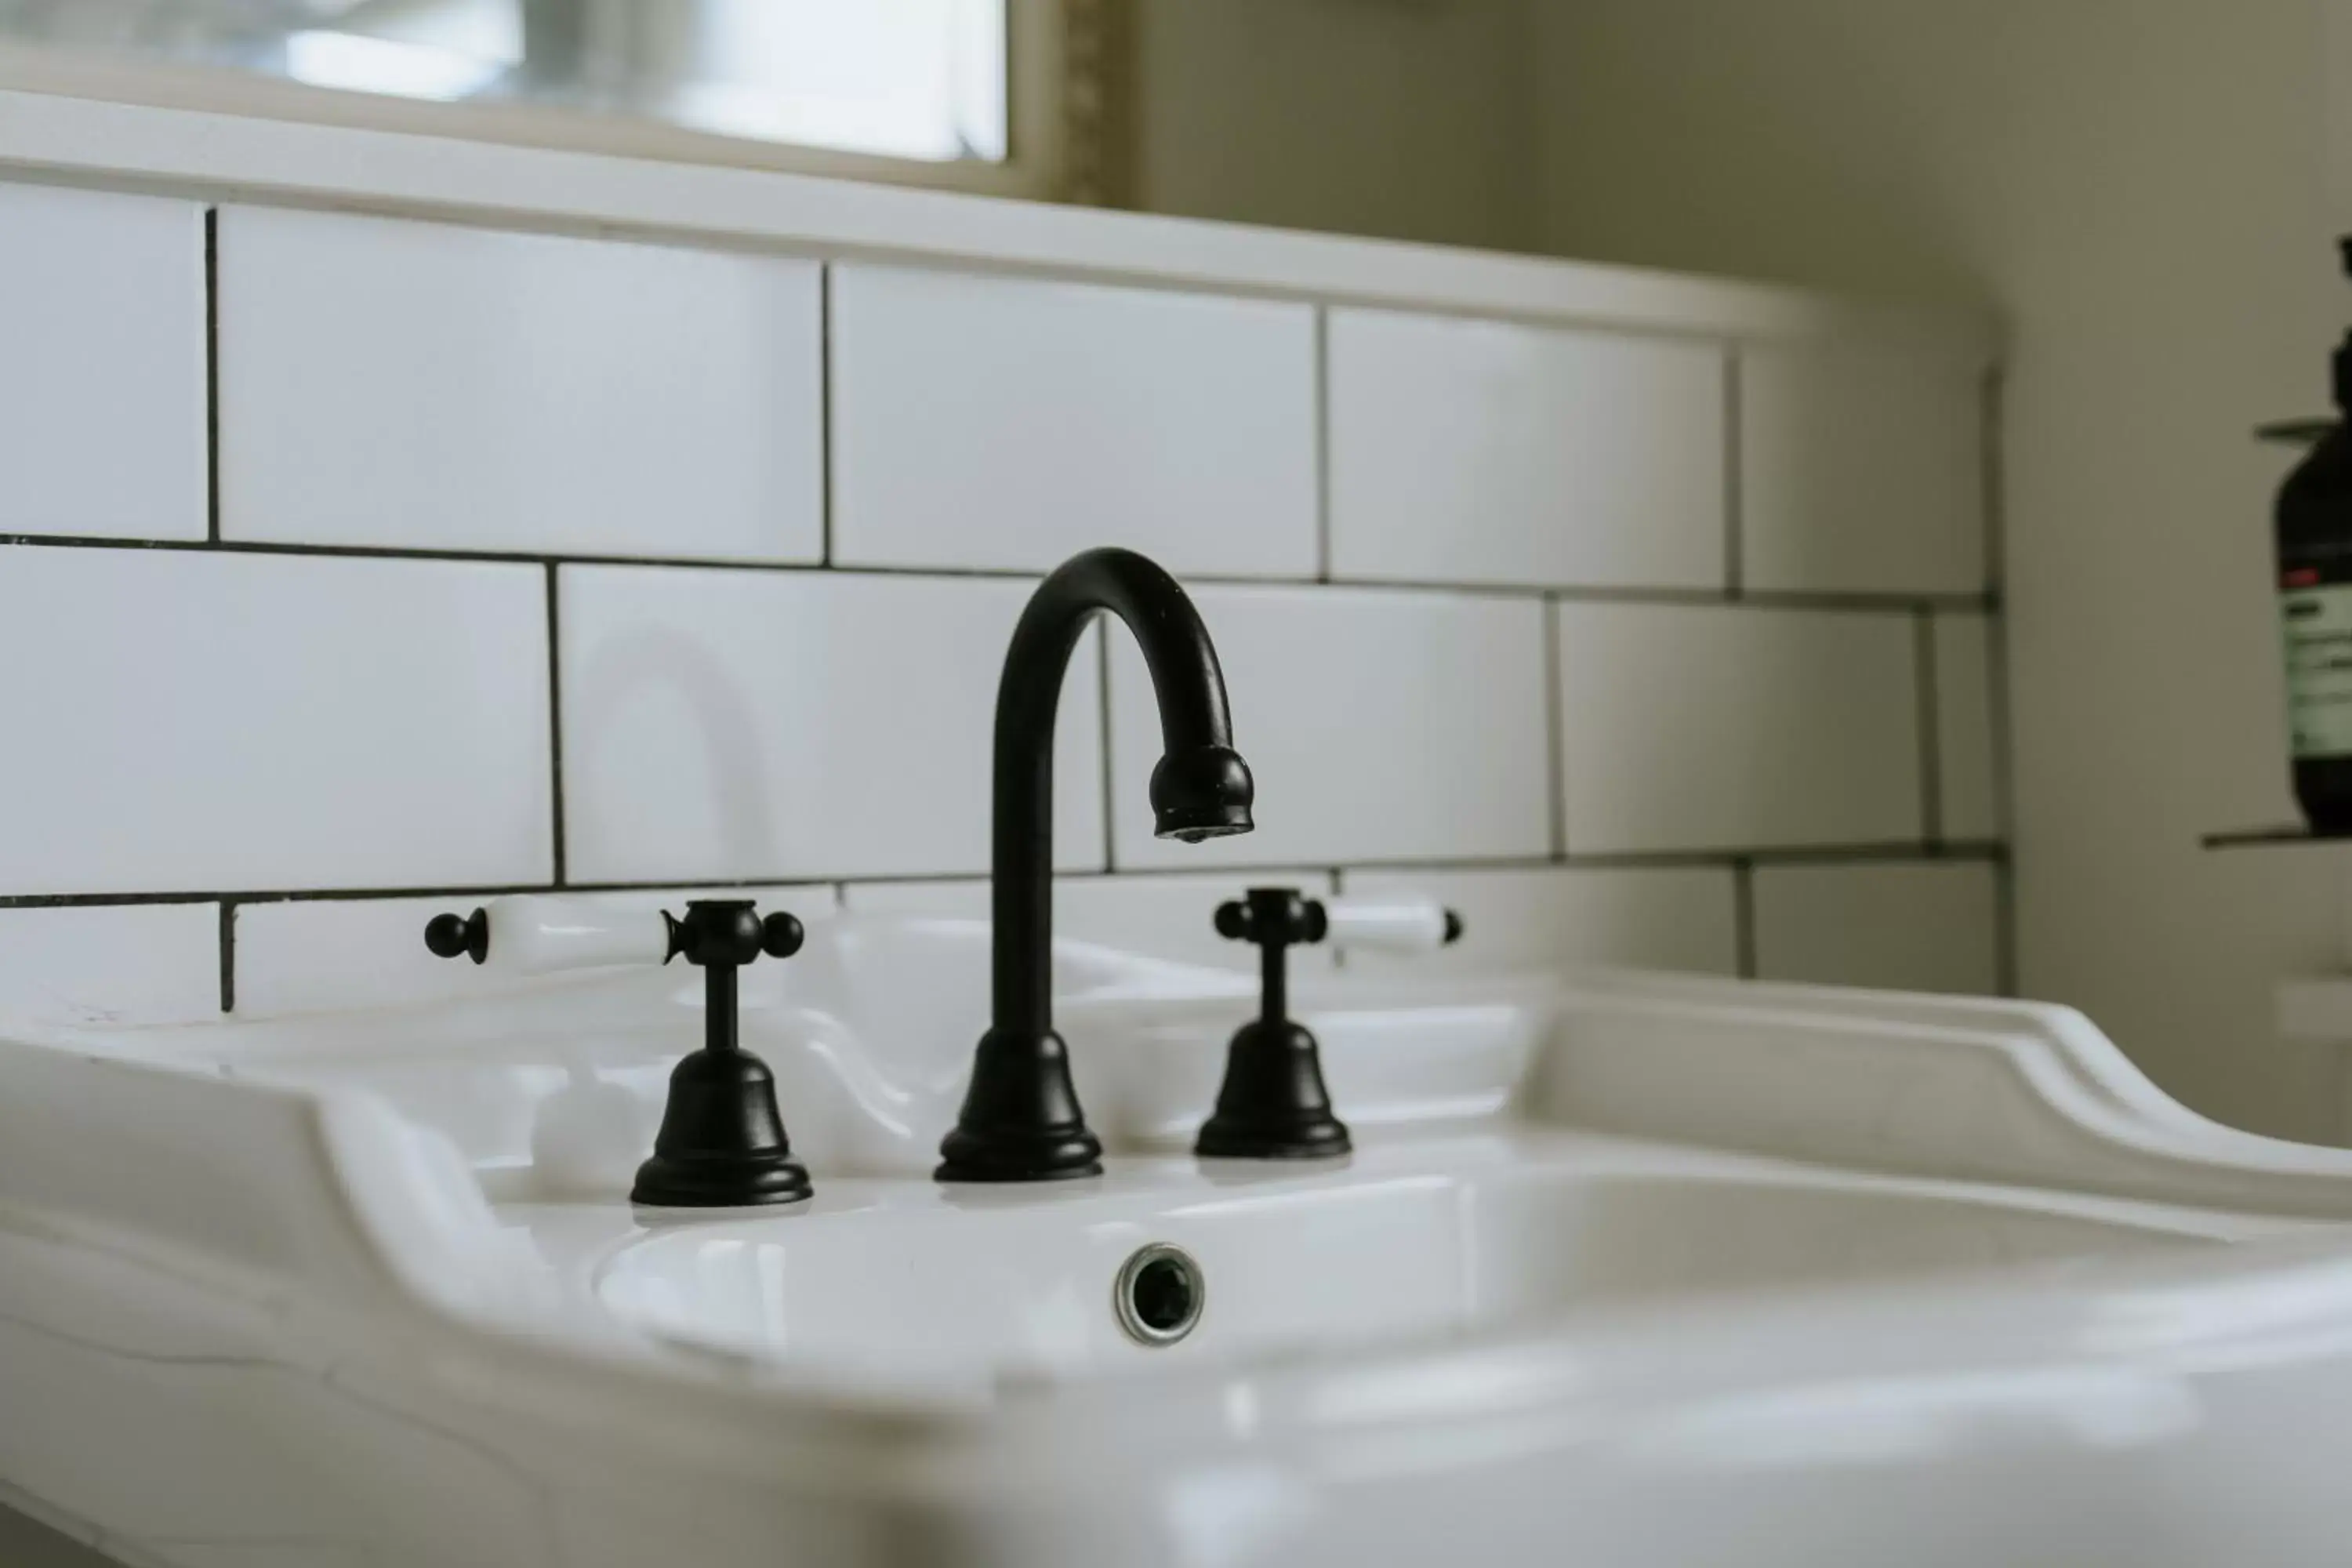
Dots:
pixel 2309 1007
pixel 2293 432
pixel 2288 833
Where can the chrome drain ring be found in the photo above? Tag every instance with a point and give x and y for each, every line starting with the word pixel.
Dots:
pixel 1158 1295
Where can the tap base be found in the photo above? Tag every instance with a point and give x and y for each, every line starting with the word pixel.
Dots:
pixel 722 1143
pixel 1000 1157
pixel 1272 1105
pixel 1021 1120
pixel 720 1182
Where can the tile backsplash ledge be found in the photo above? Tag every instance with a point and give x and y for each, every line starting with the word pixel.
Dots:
pixel 353 556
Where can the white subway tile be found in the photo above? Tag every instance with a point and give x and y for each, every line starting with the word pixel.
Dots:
pixel 209 722
pixel 1721 727
pixel 958 899
pixel 116 963
pixel 994 422
pixel 726 725
pixel 1928 926
pixel 1965 752
pixel 1678 918
pixel 310 956
pixel 419 385
pixel 1160 916
pixel 101 364
pixel 1480 452
pixel 1379 723
pixel 1861 470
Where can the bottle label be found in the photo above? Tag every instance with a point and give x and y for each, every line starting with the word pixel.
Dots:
pixel 2318 625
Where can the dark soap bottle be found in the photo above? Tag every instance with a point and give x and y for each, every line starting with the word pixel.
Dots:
pixel 2314 578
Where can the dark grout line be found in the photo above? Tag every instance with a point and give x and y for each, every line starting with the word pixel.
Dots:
pixel 501 890
pixel 211 377
pixel 1751 598
pixel 825 464
pixel 1904 851
pixel 1102 699
pixel 1743 915
pixel 1735 568
pixel 1555 734
pixel 507 557
pixel 100 900
pixel 281 896
pixel 1339 883
pixel 1774 599
pixel 1930 721
pixel 1822 854
pixel 555 720
pixel 228 956
pixel 1125 874
pixel 1322 438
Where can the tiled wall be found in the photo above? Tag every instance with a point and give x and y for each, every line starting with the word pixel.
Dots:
pixel 355 566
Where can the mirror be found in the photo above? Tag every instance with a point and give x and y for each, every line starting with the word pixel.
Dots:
pixel 920 81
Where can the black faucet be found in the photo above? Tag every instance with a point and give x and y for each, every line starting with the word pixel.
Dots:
pixel 1020 1119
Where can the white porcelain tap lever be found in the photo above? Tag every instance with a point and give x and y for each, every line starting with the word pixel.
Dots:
pixel 1398 924
pixel 538 933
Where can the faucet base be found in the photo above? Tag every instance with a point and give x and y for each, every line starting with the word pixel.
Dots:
pixel 1272 1105
pixel 1021 1120
pixel 722 1144
pixel 722 1182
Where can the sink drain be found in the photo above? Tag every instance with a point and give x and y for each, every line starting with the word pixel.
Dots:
pixel 1158 1295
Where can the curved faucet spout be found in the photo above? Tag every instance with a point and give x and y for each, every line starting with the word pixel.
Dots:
pixel 1201 788
pixel 1020 1119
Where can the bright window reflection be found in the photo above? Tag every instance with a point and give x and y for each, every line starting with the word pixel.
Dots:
pixel 903 78
pixel 358 63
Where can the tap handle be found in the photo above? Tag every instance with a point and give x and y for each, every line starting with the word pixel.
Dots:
pixel 780 935
pixel 1272 917
pixel 1402 922
pixel 450 935
pixel 730 932
pixel 541 934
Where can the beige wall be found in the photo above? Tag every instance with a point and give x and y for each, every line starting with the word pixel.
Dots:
pixel 2139 186
pixel 1405 118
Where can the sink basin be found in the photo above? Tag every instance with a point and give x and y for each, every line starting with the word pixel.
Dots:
pixel 1623 1268
pixel 1411 1244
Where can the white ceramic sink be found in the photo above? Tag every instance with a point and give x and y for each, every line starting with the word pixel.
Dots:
pixel 1624 1268
pixel 1448 1240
